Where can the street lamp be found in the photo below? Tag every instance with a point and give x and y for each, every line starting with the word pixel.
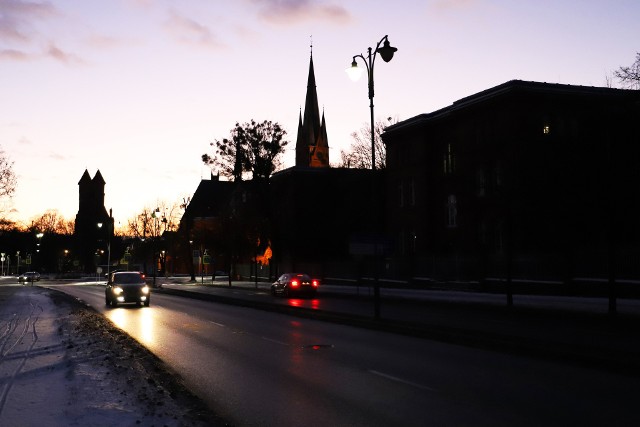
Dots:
pixel 39 236
pixel 354 72
pixel 386 52
pixel 108 243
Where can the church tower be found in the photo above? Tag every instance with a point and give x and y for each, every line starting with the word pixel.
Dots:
pixel 312 146
pixel 91 211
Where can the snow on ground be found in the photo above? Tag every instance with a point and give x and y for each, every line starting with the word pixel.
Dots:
pixel 63 364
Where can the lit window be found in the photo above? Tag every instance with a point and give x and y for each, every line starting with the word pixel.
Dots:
pixel 546 129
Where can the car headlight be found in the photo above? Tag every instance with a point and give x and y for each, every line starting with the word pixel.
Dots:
pixel 117 290
pixel 145 290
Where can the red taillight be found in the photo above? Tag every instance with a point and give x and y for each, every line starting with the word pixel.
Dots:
pixel 294 283
pixel 315 283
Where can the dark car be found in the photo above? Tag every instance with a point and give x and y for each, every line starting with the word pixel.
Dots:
pixel 29 276
pixel 127 287
pixel 295 283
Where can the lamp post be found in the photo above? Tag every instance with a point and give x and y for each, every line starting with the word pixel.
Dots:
pixel 155 215
pixel 108 243
pixel 386 52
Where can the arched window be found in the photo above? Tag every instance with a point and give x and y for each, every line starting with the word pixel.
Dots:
pixel 452 211
pixel 449 161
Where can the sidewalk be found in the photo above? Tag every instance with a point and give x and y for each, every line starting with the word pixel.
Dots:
pixel 63 364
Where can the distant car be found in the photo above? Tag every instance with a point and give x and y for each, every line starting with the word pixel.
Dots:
pixel 29 276
pixel 127 287
pixel 295 283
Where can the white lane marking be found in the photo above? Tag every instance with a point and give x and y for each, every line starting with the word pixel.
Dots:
pixel 400 380
pixel 217 324
pixel 275 341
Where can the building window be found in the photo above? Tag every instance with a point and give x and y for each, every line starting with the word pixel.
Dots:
pixel 414 241
pixel 449 161
pixel 481 182
pixel 499 239
pixel 452 212
pixel 497 175
pixel 413 192
pixel 546 129
pixel 482 232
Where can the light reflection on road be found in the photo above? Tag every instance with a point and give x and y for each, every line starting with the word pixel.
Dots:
pixel 313 304
pixel 138 322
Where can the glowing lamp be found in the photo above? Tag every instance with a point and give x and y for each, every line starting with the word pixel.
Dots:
pixel 354 72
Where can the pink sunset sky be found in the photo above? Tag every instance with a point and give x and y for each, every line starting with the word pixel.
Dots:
pixel 139 88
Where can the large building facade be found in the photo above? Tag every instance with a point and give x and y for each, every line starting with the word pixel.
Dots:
pixel 539 181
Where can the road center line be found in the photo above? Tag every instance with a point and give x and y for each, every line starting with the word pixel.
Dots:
pixel 217 324
pixel 275 341
pixel 400 380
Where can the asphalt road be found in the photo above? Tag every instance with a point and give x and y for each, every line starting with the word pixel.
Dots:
pixel 262 368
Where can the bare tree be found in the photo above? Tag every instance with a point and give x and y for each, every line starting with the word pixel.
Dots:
pixel 359 154
pixel 8 180
pixel 143 225
pixel 51 222
pixel 629 77
pixel 153 222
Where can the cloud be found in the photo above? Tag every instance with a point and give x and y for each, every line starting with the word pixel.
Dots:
pixel 56 156
pixel 17 16
pixel 189 31
pixel 18 27
pixel 14 55
pixel 452 5
pixel 58 54
pixel 105 42
pixel 294 11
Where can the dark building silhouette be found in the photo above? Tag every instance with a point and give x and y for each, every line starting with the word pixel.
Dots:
pixel 539 181
pixel 204 218
pixel 314 213
pixel 312 146
pixel 320 216
pixel 91 240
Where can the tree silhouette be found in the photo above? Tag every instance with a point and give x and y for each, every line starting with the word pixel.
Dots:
pixel 253 148
pixel 359 154
pixel 629 77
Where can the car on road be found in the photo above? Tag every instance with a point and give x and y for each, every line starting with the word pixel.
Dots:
pixel 127 287
pixel 29 276
pixel 295 283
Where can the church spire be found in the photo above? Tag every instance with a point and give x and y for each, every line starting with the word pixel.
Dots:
pixel 310 129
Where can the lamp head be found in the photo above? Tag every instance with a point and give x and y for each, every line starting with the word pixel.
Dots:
pixel 386 51
pixel 354 72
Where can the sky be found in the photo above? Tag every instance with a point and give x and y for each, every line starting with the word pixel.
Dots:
pixel 138 89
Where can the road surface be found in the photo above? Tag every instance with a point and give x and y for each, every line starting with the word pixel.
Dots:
pixel 261 368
